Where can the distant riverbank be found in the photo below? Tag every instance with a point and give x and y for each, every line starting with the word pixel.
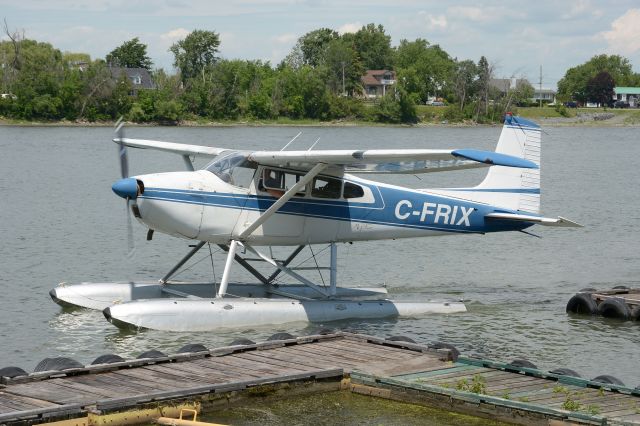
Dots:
pixel 429 116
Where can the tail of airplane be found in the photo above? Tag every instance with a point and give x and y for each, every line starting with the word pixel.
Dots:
pixel 511 188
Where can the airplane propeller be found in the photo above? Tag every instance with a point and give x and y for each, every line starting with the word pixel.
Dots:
pixel 124 173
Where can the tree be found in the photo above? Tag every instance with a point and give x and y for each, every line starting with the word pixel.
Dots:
pixel 464 78
pixel 425 70
pixel 485 74
pixel 373 47
pixel 310 48
pixel 195 53
pixel 131 54
pixel 574 83
pixel 343 67
pixel 600 88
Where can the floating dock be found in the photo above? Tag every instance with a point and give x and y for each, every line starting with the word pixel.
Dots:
pixel 619 302
pixel 141 390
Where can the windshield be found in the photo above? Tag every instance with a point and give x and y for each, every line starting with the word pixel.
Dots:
pixel 233 168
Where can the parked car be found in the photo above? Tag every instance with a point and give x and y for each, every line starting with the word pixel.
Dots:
pixel 8 96
pixel 437 103
pixel 621 104
pixel 571 104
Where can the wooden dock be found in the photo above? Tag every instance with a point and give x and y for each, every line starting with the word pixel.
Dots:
pixel 141 390
pixel 619 302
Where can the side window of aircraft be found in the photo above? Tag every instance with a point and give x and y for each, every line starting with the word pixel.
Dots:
pixel 326 188
pixel 277 182
pixel 351 190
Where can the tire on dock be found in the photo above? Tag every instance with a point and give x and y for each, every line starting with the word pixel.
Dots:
pixel 153 353
pixel 614 307
pixel 107 359
pixel 57 364
pixel 455 353
pixel 565 372
pixel 12 372
pixel 242 341
pixel 281 336
pixel 193 347
pixel 582 303
pixel 610 380
pixel 400 339
pixel 523 363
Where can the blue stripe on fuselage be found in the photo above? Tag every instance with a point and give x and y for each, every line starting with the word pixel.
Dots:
pixel 392 207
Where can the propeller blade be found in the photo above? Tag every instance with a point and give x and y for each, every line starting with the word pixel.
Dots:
pixel 131 248
pixel 122 152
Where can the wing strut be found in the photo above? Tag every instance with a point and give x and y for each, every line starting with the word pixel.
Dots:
pixel 280 202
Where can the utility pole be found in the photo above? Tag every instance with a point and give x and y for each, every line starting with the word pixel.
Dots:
pixel 540 94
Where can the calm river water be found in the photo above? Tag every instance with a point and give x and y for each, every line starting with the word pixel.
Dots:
pixel 61 222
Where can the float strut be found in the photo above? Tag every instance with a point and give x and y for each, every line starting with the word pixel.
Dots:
pixel 182 262
pixel 334 270
pixel 227 269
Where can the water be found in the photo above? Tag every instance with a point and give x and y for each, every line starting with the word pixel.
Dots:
pixel 61 222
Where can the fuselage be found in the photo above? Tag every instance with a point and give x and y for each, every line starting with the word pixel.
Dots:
pixel 217 204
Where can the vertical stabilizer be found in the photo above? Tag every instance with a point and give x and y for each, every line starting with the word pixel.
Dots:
pixel 511 188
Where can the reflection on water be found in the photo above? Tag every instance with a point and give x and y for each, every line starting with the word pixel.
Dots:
pixel 60 222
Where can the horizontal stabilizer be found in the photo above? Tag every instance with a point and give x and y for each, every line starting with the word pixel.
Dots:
pixel 547 221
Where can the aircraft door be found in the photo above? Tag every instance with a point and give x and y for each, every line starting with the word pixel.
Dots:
pixel 287 225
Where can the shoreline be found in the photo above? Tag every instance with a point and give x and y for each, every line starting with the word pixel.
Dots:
pixel 625 118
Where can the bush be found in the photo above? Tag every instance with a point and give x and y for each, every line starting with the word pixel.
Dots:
pixel 562 110
pixel 168 112
pixel 136 113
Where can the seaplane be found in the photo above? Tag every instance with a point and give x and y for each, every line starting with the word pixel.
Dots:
pixel 247 202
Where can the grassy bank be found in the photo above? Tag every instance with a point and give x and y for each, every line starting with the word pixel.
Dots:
pixel 428 116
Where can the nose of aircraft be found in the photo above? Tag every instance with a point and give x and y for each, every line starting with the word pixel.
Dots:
pixel 126 188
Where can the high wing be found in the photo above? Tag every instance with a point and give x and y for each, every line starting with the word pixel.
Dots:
pixel 354 161
pixel 175 148
pixel 391 160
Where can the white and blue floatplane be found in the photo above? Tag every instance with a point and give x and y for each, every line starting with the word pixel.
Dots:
pixel 246 201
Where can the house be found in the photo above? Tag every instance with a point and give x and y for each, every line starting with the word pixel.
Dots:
pixel 504 85
pixel 547 96
pixel 375 82
pixel 140 78
pixel 631 95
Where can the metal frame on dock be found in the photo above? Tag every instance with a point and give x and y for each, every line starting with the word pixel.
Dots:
pixel 144 389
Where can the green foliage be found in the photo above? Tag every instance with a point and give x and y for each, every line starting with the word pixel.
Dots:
pixel 562 110
pixel 396 108
pixel 600 88
pixel 195 53
pixel 319 80
pixel 573 86
pixel 477 385
pixel 131 54
pixel 570 404
pixel 373 46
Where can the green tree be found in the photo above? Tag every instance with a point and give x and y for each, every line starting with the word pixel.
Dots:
pixel 425 70
pixel 600 88
pixel 574 83
pixel 341 60
pixel 195 53
pixel 130 54
pixel 373 46
pixel 465 75
pixel 310 48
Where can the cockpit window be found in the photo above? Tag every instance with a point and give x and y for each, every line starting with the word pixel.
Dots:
pixel 234 168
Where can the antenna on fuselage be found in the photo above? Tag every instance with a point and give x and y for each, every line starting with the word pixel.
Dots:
pixel 289 143
pixel 314 144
